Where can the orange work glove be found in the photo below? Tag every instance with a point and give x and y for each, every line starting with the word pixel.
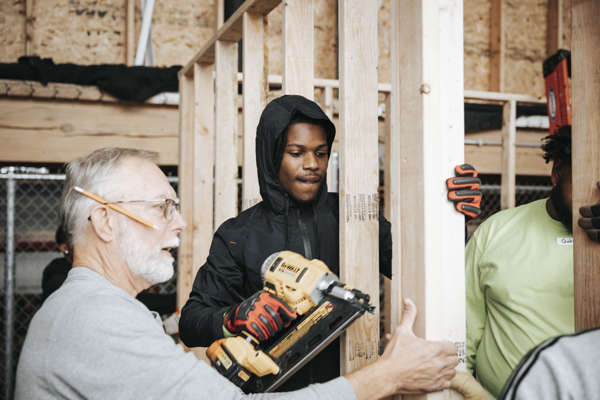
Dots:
pixel 463 191
pixel 262 315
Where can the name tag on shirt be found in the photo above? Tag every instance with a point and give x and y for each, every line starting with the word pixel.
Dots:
pixel 564 241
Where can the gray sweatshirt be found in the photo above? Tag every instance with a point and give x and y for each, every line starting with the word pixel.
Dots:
pixel 562 368
pixel 92 340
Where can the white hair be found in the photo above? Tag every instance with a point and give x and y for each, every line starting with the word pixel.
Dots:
pixel 92 173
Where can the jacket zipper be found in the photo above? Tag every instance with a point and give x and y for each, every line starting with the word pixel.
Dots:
pixel 305 239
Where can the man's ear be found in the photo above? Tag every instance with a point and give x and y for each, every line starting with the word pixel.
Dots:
pixel 102 223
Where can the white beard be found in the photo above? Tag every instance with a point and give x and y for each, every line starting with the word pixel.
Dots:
pixel 143 260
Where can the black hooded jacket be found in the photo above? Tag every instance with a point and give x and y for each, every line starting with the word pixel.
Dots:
pixel 241 244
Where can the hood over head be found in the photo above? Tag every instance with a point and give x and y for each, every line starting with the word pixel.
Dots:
pixel 271 139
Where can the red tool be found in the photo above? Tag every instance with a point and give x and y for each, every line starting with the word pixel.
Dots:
pixel 557 71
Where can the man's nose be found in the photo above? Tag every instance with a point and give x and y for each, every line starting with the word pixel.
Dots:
pixel 310 161
pixel 178 222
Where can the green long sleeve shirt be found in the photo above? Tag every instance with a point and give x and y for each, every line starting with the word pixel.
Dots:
pixel 519 283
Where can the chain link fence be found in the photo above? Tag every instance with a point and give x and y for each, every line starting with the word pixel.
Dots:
pixel 528 189
pixel 29 216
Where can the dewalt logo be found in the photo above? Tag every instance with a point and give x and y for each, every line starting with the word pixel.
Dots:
pixel 289 267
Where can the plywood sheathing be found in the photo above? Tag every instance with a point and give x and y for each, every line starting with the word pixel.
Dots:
pixel 476 44
pixel 80 31
pixel 12 30
pixel 94 31
pixel 525 41
pixel 179 28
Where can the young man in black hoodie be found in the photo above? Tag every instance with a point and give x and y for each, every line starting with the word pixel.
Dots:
pixel 293 142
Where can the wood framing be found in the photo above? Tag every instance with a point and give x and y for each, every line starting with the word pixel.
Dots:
pixel 230 31
pixel 585 62
pixel 226 165
pixel 219 13
pixel 489 159
pixel 428 40
pixel 497 46
pixel 392 287
pixel 328 108
pixel 298 48
pixel 185 274
pixel 509 136
pixel 359 205
pixel 204 152
pixel 254 90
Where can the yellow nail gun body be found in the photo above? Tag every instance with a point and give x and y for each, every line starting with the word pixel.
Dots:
pixel 325 308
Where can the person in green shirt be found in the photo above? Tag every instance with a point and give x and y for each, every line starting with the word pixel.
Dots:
pixel 519 275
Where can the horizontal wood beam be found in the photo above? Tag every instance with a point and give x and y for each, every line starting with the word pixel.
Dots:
pixel 37 130
pixel 230 31
pixel 488 160
pixel 500 96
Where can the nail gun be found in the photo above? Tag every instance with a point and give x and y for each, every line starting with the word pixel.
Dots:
pixel 325 308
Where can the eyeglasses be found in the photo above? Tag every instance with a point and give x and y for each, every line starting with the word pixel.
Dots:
pixel 167 206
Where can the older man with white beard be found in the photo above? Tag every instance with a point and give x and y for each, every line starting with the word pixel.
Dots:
pixel 92 339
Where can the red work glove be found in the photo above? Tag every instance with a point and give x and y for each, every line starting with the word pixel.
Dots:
pixel 590 220
pixel 262 315
pixel 463 191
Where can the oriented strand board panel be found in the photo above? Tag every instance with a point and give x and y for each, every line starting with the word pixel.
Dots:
pixel 586 156
pixel 498 32
pixel 525 40
pixel 524 44
pixel 12 30
pixel 476 43
pixel 95 32
pixel 80 31
pixel 326 46
pixel 179 28
pixel 59 131
pixel 274 41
